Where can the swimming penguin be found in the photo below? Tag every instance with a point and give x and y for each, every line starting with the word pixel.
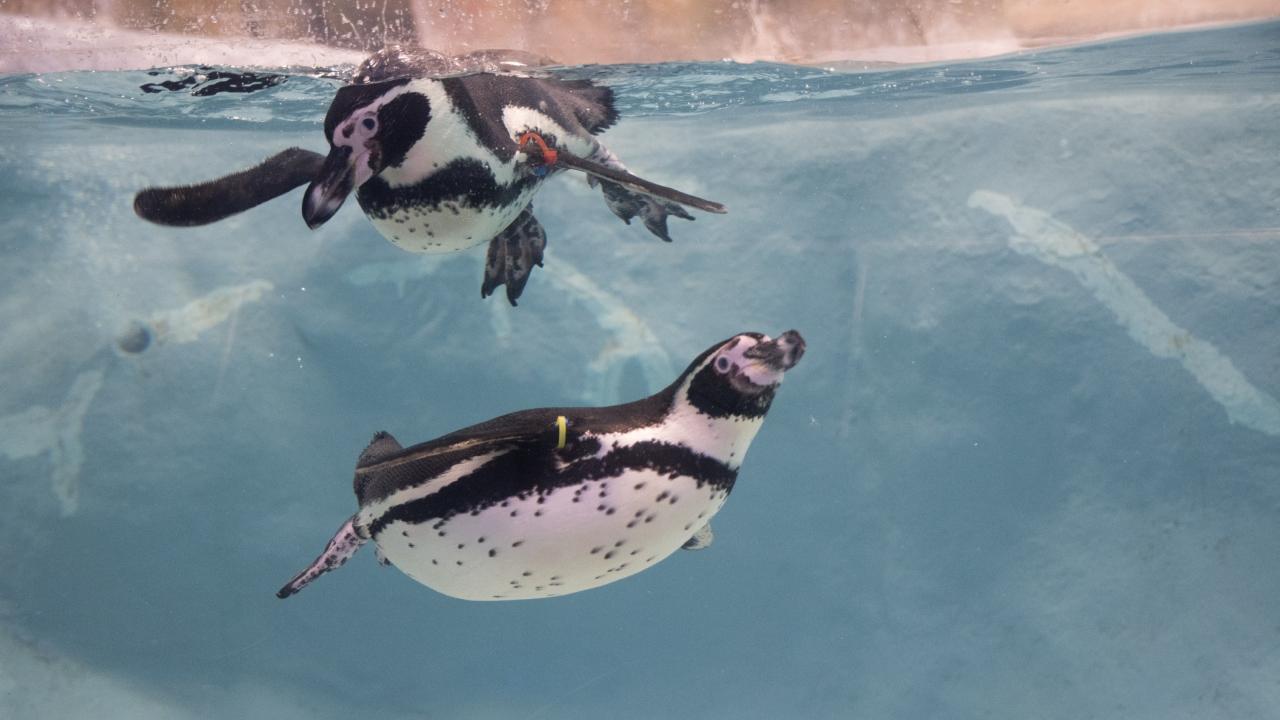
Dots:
pixel 444 154
pixel 553 501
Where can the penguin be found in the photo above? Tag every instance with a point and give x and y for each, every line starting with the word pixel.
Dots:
pixel 444 154
pixel 553 501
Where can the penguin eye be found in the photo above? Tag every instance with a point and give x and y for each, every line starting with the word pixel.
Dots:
pixel 369 123
pixel 722 364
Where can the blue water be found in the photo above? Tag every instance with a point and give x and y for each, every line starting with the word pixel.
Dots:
pixel 1029 467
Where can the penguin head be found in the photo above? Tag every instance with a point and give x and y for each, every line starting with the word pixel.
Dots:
pixel 739 376
pixel 370 127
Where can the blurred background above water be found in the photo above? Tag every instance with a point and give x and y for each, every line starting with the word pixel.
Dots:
pixel 42 35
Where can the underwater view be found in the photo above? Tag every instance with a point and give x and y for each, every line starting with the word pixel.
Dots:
pixel 1028 467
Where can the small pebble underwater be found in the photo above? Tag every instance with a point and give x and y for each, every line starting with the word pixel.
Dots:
pixel 1029 466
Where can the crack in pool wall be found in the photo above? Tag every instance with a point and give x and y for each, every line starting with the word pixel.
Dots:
pixel 39 429
pixel 1055 243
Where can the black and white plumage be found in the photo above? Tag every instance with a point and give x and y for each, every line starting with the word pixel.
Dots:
pixel 431 146
pixel 552 501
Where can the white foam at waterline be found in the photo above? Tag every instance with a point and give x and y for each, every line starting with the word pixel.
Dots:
pixel 1055 243
pixel 38 429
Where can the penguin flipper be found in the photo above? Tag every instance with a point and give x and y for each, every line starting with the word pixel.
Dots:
pixel 342 546
pixel 208 202
pixel 700 540
pixel 605 168
pixel 513 253
pixel 628 195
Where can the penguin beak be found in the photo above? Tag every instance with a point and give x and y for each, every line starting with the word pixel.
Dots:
pixel 344 170
pixel 781 354
pixel 326 193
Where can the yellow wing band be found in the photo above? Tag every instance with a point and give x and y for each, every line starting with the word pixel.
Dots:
pixel 562 425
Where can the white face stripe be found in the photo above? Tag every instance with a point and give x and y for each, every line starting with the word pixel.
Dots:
pixel 354 139
pixel 376 509
pixel 447 137
pixel 758 373
pixel 725 439
pixel 522 119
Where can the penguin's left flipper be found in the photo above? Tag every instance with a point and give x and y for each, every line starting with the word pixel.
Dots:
pixel 342 546
pixel 513 253
pixel 700 540
pixel 208 202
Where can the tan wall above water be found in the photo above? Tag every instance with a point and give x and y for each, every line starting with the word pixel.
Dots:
pixel 653 30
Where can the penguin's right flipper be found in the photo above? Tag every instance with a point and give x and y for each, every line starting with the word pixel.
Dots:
pixel 513 253
pixel 340 549
pixel 207 202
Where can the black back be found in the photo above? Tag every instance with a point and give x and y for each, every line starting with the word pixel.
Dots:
pixel 577 105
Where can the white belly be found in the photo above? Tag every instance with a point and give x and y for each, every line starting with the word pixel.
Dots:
pixel 449 227
pixel 524 549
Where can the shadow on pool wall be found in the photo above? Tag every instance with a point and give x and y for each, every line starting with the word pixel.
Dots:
pixel 1027 469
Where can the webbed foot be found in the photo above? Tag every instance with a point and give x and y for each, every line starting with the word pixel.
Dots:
pixel 513 253
pixel 652 211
